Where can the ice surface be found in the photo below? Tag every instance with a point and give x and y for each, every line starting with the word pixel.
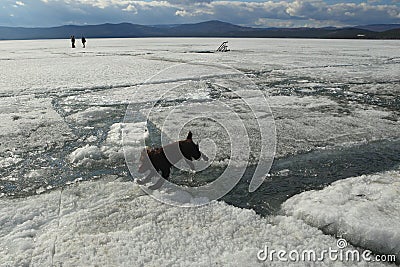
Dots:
pixel 91 114
pixel 28 118
pixel 114 224
pixel 364 210
pixel 109 70
pixel 112 149
pixel 45 66
pixel 62 111
pixel 304 123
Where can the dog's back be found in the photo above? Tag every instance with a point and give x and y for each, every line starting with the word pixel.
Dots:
pixel 153 158
pixel 163 158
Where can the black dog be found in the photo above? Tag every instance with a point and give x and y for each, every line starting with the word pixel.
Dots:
pixel 156 159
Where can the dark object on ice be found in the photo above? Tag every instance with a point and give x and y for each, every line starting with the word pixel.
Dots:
pixel 223 47
pixel 73 41
pixel 15 117
pixel 202 52
pixel 155 160
pixel 83 41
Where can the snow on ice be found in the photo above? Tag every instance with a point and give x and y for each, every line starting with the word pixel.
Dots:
pixel 364 210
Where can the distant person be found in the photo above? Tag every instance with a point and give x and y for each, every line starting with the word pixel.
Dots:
pixel 83 41
pixel 73 41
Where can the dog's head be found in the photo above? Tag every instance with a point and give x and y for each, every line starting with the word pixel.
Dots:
pixel 192 149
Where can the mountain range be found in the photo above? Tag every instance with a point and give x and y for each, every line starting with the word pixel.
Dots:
pixel 203 29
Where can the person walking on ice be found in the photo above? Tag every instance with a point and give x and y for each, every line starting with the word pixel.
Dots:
pixel 83 41
pixel 73 41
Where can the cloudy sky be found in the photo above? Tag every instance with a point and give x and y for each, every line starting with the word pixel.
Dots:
pixel 276 13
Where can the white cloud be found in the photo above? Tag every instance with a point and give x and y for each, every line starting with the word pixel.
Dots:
pixel 130 8
pixel 283 23
pixel 181 13
pixel 268 13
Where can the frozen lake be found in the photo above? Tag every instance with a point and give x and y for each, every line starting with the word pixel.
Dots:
pixel 67 195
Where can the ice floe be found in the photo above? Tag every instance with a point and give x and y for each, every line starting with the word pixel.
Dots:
pixel 364 210
pixel 112 149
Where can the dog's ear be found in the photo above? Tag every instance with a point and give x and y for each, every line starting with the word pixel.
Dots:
pixel 189 137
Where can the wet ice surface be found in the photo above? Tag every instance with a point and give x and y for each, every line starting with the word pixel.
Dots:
pixel 335 105
pixel 325 95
